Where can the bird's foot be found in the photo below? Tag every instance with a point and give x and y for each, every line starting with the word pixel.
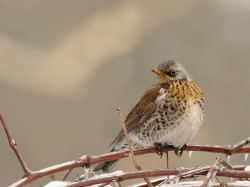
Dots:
pixel 179 151
pixel 159 148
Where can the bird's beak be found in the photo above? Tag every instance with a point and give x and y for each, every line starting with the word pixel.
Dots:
pixel 156 71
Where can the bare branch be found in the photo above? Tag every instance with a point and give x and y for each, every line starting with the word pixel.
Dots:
pixel 137 166
pixel 213 170
pixel 67 174
pixel 219 149
pixel 184 175
pixel 152 173
pixel 89 160
pixel 239 145
pixel 128 140
pixel 238 172
pixel 13 145
pixel 83 161
pixel 86 161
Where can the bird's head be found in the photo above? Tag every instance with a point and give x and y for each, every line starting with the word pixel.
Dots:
pixel 171 70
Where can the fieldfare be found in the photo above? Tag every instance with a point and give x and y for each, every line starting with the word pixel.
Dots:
pixel 169 113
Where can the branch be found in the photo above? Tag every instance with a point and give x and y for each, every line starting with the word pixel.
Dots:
pixel 87 161
pixel 182 175
pixel 13 145
pixel 239 145
pixel 218 165
pixel 137 166
pixel 127 139
pixel 237 172
pixel 120 176
pixel 81 162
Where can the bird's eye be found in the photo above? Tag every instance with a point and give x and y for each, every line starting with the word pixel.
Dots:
pixel 172 73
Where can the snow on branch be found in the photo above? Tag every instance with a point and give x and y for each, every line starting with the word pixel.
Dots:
pixel 219 168
pixel 119 176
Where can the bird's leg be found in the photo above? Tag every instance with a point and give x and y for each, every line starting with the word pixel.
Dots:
pixel 159 147
pixel 179 151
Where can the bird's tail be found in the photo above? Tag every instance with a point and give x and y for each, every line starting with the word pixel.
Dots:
pixel 105 166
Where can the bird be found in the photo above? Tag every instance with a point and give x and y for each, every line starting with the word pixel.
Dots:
pixel 170 112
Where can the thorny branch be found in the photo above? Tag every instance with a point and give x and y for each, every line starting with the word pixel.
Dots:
pixel 87 161
pixel 13 145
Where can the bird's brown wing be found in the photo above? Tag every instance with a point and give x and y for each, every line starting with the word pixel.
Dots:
pixel 142 111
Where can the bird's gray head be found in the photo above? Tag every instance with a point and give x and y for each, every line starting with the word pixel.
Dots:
pixel 171 70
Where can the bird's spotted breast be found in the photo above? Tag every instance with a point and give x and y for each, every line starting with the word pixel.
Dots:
pixel 178 116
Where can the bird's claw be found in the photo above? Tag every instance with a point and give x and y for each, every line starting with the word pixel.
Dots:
pixel 159 149
pixel 179 151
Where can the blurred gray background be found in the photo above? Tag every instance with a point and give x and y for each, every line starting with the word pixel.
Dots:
pixel 65 66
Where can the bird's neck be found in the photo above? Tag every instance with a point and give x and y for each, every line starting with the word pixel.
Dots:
pixel 162 79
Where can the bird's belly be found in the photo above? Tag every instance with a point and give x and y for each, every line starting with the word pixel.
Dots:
pixel 178 134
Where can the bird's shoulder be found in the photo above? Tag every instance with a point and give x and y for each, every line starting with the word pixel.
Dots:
pixel 146 101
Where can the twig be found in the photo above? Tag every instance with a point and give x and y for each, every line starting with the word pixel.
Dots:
pixel 221 183
pixel 185 175
pixel 128 140
pixel 137 166
pixel 117 183
pixel 239 145
pixel 194 172
pixel 13 145
pixel 67 174
pixel 218 165
pixel 167 157
pixel 212 172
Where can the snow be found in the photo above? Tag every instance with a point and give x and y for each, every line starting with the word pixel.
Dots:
pixel 190 154
pixel 98 185
pixel 18 182
pixel 186 184
pixel 13 142
pixel 213 178
pixel 247 168
pixel 55 167
pixel 246 156
pixel 57 184
pixel 199 183
pixel 116 173
pixel 240 183
pixel 169 179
